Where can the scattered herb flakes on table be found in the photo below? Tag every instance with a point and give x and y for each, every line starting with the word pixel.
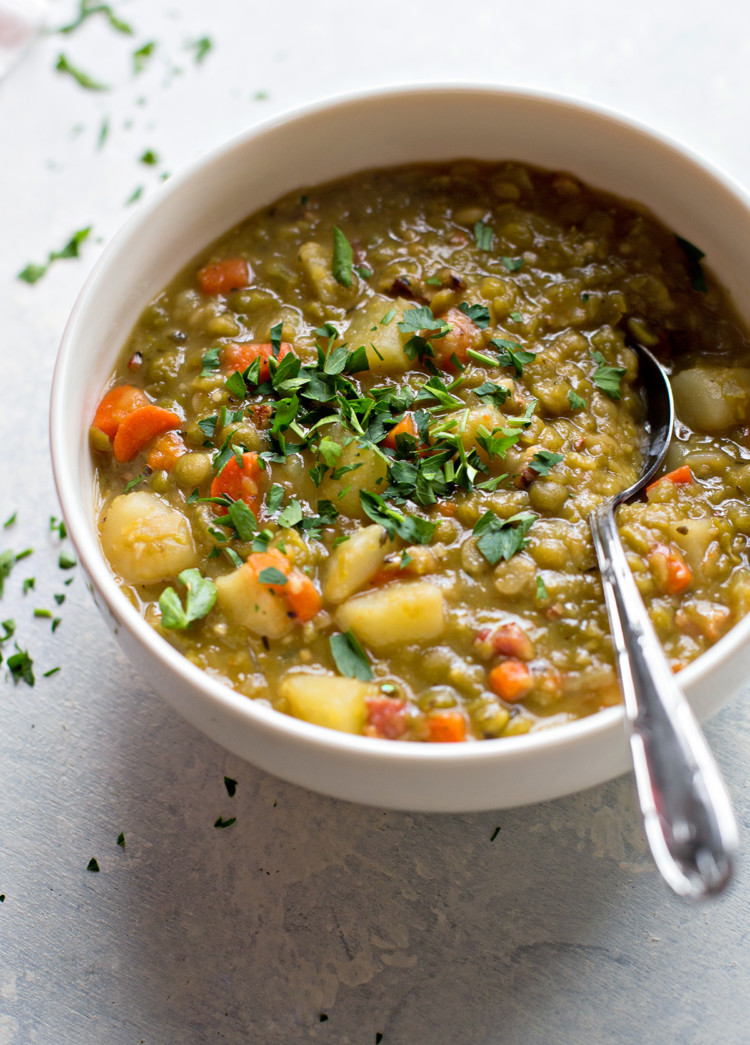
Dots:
pixel 356 443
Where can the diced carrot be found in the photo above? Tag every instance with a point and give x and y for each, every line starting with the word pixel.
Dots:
pixel 140 426
pixel 165 451
pixel 678 476
pixel 303 597
pixel 115 407
pixel 445 727
pixel 298 590
pixel 670 570
pixel 404 427
pixel 220 278
pixel 240 355
pixel 386 717
pixel 241 482
pixel 511 680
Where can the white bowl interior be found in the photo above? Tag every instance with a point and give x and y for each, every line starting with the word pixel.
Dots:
pixel 317 144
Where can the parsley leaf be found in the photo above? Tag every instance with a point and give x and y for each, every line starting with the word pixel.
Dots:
pixel 210 364
pixel 511 354
pixel 512 264
pixel 88 8
pixel 343 258
pixel 478 314
pixel 608 377
pixel 93 864
pixel 410 527
pixel 543 461
pixel 502 538
pixel 693 256
pixel 291 515
pixel 576 402
pixel 220 822
pixel 271 576
pixel 142 55
pixel 201 47
pixel 20 666
pixel 231 786
pixel 349 657
pixel 483 236
pixel 81 78
pixel 201 595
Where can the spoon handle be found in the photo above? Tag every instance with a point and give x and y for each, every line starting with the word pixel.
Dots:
pixel 687 814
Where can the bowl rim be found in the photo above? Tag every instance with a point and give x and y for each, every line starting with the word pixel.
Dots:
pixel 557 736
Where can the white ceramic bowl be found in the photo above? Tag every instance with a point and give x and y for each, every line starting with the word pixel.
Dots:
pixel 315 144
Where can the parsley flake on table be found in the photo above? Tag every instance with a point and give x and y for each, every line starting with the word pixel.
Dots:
pixel 67 561
pixel 150 158
pixel 32 273
pixel 502 538
pixel 21 666
pixel 8 560
pixel 607 377
pixel 231 786
pixel 349 656
pixel 201 47
pixel 93 865
pixel 87 8
pixel 343 258
pixel 201 596
pixel 221 822
pixel 10 520
pixel 142 55
pixel 82 79
pixel 121 840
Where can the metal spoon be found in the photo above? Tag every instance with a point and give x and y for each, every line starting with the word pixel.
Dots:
pixel 687 814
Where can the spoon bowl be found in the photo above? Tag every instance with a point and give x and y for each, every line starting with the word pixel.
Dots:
pixel 687 814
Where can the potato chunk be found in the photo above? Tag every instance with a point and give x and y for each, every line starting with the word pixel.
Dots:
pixel 355 561
pixel 712 398
pixel 145 539
pixel 368 473
pixel 253 605
pixel 384 342
pixel 401 612
pixel 326 700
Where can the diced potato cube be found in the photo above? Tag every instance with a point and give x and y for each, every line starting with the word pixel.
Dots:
pixel 384 341
pixel 355 561
pixel 253 605
pixel 712 398
pixel 370 474
pixel 402 612
pixel 326 700
pixel 145 539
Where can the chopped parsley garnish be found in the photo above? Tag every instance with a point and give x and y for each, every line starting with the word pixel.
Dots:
pixel 209 365
pixel 201 596
pixel 134 196
pixel 150 158
pixel 121 840
pixel 483 236
pixel 8 560
pixel 21 666
pixel 67 561
pixel 92 7
pixel 541 588
pixel 33 273
pixel 270 575
pixel 502 538
pixel 201 47
pixel 413 529
pixel 221 822
pixel 343 258
pixel 693 256
pixel 93 864
pixel 363 271
pixel 349 657
pixel 608 377
pixel 511 354
pixel 231 786
pixel 576 402
pixel 58 526
pixel 478 314
pixel 512 264
pixel 543 461
pixel 83 79
pixel 10 520
pixel 494 834
pixel 142 55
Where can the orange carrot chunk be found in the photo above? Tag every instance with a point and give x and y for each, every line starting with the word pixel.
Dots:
pixel 230 274
pixel 115 407
pixel 301 595
pixel 141 426
pixel 240 481
pixel 678 476
pixel 405 427
pixel 240 355
pixel 511 680
pixel 445 727
pixel 165 451
pixel 671 572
